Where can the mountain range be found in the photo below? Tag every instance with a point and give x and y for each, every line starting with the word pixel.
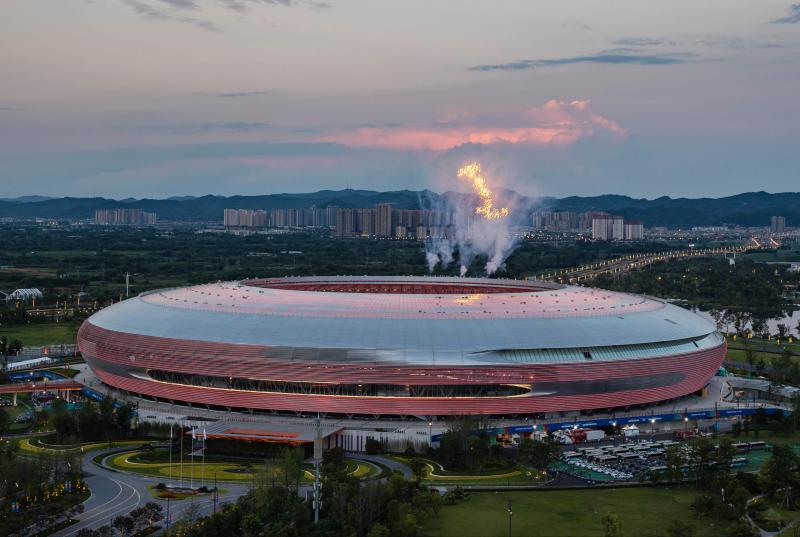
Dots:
pixel 747 209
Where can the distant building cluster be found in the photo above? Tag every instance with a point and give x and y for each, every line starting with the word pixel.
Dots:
pixel 124 217
pixel 603 226
pixel 279 218
pixel 777 224
pixel 566 221
pixel 380 221
pixel 615 228
pixel 385 221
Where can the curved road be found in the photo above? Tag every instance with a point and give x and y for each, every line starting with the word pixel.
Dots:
pixel 118 493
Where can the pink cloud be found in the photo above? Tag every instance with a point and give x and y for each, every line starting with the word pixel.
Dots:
pixel 554 123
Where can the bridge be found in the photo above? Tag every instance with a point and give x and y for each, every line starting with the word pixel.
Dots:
pixel 61 387
pixel 631 262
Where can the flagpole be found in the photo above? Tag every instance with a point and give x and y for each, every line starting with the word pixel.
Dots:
pixel 170 454
pixel 191 463
pixel 203 470
pixel 181 465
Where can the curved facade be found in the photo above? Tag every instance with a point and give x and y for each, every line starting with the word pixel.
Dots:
pixel 401 346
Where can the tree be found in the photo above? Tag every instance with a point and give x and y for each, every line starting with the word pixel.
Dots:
pixel 4 422
pixel 107 417
pixel 742 529
pixel 758 325
pixel 538 453
pixel 795 409
pixel 783 330
pixel 612 526
pixel 379 530
pixel 62 420
pixel 124 415
pixel 290 466
pixel 736 429
pixel 124 525
pixel 373 446
pixel 750 356
pixel 681 528
pixel 8 348
pixel 418 467
pixel 781 366
pixel 781 474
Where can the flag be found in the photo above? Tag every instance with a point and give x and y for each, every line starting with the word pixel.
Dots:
pixel 205 436
pixel 193 435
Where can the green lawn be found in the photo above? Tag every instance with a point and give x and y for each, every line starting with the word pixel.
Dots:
pixel 65 371
pixel 576 513
pixel 156 464
pixel 739 357
pixel 36 334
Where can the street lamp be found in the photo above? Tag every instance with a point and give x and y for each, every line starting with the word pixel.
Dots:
pixel 510 514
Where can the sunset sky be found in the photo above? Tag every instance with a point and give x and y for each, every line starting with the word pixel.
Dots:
pixel 156 98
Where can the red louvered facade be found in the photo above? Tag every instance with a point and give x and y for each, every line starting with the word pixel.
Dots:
pixel 127 361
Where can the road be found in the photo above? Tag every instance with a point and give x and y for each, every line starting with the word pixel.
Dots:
pixel 632 262
pixel 118 493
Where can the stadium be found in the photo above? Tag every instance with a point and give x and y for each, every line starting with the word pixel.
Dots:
pixel 374 347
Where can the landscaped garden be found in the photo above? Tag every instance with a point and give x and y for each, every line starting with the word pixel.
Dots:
pixel 157 463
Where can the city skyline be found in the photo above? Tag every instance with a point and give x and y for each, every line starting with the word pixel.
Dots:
pixel 157 98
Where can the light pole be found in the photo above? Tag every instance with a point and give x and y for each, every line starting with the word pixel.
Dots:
pixel 510 514
pixel 430 434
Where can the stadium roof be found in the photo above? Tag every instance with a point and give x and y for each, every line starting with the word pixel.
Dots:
pixel 479 320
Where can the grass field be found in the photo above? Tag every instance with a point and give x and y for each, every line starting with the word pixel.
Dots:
pixel 65 371
pixel 233 470
pixel 739 357
pixel 576 513
pixel 35 334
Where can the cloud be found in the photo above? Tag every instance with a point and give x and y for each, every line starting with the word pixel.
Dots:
pixel 644 42
pixel 182 4
pixel 735 43
pixel 171 10
pixel 239 94
pixel 606 58
pixel 554 123
pixel 8 109
pixel 199 128
pixel 792 18
pixel 151 12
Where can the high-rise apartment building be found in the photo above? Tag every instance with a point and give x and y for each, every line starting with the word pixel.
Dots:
pixel 124 217
pixel 608 228
pixel 383 219
pixel 633 231
pixel 777 224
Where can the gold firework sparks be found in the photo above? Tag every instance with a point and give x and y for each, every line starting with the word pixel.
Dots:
pixel 472 171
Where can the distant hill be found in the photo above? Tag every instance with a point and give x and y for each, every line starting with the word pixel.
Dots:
pixel 26 199
pixel 748 209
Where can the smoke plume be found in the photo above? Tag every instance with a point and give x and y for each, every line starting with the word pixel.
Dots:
pixel 483 224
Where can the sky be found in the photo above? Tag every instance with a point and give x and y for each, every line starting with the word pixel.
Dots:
pixel 159 98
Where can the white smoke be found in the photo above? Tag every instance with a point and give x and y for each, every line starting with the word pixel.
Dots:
pixel 474 236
